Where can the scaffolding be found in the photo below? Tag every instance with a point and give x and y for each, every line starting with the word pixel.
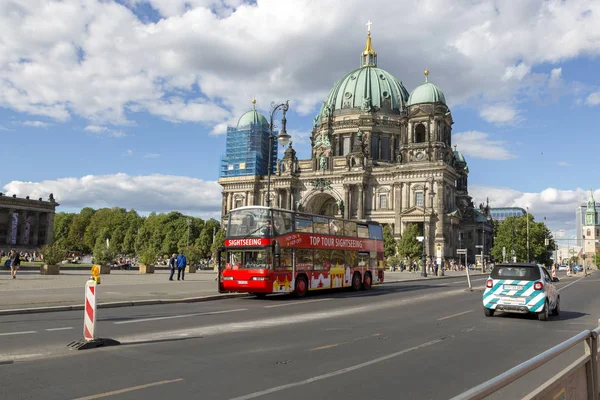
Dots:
pixel 247 151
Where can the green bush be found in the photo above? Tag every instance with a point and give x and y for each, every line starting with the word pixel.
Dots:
pixel 102 255
pixel 53 254
pixel 148 257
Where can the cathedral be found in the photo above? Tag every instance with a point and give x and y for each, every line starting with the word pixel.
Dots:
pixel 379 153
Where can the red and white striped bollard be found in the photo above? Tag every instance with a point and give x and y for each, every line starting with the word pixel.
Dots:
pixel 89 318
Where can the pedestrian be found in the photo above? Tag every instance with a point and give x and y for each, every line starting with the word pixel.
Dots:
pixel 172 262
pixel 15 262
pixel 181 264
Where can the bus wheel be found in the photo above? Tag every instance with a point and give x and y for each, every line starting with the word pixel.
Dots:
pixel 356 283
pixel 301 287
pixel 367 281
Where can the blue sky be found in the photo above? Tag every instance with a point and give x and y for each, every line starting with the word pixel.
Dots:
pixel 126 103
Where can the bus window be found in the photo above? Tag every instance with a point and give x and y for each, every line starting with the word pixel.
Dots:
pixel 337 258
pixel 363 231
pixel 322 259
pixel 351 258
pixel 283 222
pixel 285 260
pixel 247 223
pixel 336 227
pixel 321 225
pixel 304 259
pixel 303 225
pixel 375 232
pixel 350 228
pixel 363 259
pixel 249 259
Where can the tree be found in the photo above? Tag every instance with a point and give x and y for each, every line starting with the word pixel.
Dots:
pixel 62 222
pixel 389 243
pixel 408 245
pixel 597 259
pixel 511 234
pixel 219 242
pixel 102 255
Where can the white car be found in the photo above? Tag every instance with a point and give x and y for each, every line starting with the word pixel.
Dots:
pixel 521 288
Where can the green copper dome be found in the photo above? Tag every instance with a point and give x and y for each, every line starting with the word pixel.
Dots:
pixel 365 88
pixel 459 157
pixel 426 92
pixel 252 117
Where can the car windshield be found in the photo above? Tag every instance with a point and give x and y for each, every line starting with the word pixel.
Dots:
pixel 255 259
pixel 254 222
pixel 516 272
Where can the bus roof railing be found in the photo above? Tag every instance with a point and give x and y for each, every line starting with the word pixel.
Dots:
pixel 302 213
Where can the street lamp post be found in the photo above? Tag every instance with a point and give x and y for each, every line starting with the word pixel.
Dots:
pixel 431 195
pixel 283 138
pixel 527 234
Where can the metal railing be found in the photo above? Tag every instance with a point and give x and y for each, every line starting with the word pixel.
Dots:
pixel 587 366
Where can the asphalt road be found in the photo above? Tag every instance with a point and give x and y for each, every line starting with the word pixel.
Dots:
pixel 411 340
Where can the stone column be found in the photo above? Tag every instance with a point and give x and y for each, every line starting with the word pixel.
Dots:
pixel 22 223
pixel 9 226
pixel 229 201
pixel 347 201
pixel 50 229
pixel 360 213
pixel 35 228
pixel 397 188
pixel 223 204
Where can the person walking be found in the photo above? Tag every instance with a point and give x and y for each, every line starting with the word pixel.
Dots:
pixel 172 263
pixel 15 262
pixel 181 264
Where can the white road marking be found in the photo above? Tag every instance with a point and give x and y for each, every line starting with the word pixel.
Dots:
pixel 297 302
pixel 336 373
pixel 126 390
pixel 572 283
pixel 66 328
pixel 455 315
pixel 135 321
pixel 17 333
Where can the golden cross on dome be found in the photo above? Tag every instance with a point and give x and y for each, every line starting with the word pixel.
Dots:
pixel 369 23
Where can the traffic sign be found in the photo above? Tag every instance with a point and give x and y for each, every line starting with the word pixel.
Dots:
pixel 420 238
pixel 461 251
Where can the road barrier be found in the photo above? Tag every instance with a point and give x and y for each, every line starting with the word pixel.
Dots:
pixel 89 317
pixel 578 381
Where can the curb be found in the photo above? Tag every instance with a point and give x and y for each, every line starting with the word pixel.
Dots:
pixel 119 304
pixel 151 302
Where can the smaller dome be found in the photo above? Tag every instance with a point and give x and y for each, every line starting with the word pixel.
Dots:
pixel 252 117
pixel 426 92
pixel 459 157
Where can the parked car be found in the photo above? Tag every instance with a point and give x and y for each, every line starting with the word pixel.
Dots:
pixel 578 268
pixel 521 288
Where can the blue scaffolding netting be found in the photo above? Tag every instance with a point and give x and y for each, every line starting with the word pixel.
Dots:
pixel 247 151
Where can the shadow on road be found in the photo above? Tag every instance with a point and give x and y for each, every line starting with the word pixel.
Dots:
pixel 564 316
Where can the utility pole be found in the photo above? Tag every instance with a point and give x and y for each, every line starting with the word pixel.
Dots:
pixel 528 234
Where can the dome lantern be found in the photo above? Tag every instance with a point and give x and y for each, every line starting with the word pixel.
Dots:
pixel 368 58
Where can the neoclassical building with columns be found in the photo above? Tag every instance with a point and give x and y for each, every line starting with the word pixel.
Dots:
pixel 26 224
pixel 379 153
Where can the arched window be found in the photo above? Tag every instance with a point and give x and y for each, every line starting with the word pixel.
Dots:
pixel 420 133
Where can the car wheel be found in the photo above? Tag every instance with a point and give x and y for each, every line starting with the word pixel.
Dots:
pixel 556 310
pixel 488 312
pixel 543 316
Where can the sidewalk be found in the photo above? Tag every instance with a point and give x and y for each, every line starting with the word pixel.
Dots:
pixel 125 288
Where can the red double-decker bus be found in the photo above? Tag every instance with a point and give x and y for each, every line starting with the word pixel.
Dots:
pixel 269 250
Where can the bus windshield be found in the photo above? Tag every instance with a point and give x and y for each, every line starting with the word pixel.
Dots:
pixel 253 222
pixel 254 259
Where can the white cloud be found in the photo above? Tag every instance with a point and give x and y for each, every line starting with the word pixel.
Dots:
pixel 558 206
pixel 593 99
pixel 151 155
pixel 499 113
pixel 36 124
pixel 103 130
pixel 204 60
pixel 477 144
pixel 160 193
pixel 563 164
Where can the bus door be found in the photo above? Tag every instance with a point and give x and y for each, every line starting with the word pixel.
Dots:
pixel 283 270
pixel 376 267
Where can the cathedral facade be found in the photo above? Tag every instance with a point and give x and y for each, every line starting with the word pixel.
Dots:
pixel 379 153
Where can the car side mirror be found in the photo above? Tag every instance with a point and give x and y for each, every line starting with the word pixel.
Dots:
pixel 555 279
